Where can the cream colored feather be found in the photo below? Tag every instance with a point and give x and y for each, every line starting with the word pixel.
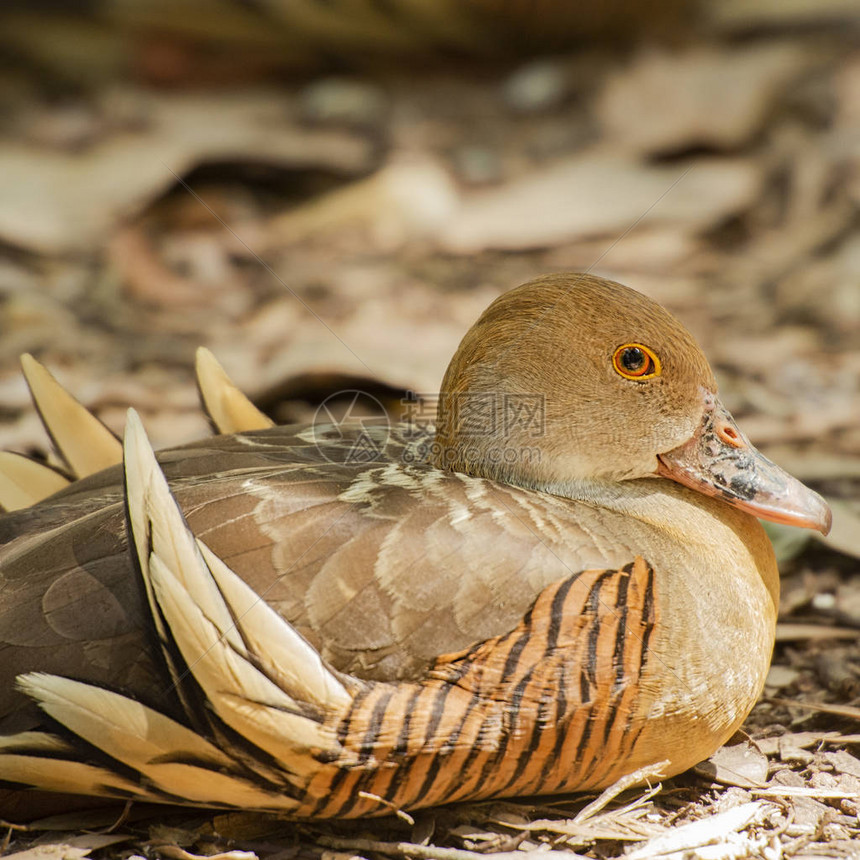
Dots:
pixel 70 777
pixel 155 521
pixel 35 741
pixel 142 739
pixel 282 653
pixel 84 443
pixel 228 408
pixel 211 641
pixel 20 762
pixel 133 734
pixel 124 729
pixel 23 481
pixel 256 673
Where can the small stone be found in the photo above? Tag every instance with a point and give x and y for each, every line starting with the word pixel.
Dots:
pixel 789 753
pixel 843 762
pixel 536 86
pixel 824 602
pixel 477 165
pixel 781 676
pixel 343 101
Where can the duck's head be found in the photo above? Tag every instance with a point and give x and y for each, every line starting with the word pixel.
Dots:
pixel 572 378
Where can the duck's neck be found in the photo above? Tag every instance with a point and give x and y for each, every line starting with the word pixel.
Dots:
pixel 683 515
pixel 652 500
pixel 687 517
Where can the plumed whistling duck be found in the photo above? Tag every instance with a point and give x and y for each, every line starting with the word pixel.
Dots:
pixel 565 583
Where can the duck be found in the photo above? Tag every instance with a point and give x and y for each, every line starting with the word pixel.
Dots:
pixel 562 582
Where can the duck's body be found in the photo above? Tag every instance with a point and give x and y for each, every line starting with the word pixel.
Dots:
pixel 479 637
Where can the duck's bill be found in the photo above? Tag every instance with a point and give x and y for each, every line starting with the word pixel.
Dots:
pixel 720 461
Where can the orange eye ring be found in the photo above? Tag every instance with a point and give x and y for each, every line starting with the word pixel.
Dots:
pixel 636 361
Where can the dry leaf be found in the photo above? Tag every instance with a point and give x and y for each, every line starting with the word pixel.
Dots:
pixel 716 829
pixel 598 194
pixel 61 201
pixel 54 851
pixel 780 676
pixel 403 201
pixel 716 97
pixel 177 853
pixel 399 334
pixel 740 764
pixel 787 631
pixel 73 848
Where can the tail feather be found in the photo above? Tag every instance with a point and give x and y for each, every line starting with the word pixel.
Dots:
pixel 44 761
pixel 171 761
pixel 86 446
pixel 229 410
pixel 83 442
pixel 68 777
pixel 23 481
pixel 122 728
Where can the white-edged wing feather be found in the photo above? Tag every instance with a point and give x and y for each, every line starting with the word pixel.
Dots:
pixel 157 526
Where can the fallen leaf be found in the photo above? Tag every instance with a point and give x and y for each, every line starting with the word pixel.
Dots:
pixel 740 764
pixel 719 97
pixel 776 746
pixel 787 631
pixel 54 851
pixel 73 848
pixel 403 201
pixel 177 853
pixel 714 829
pixel 56 201
pixel 598 194
pixel 400 335
pixel 781 676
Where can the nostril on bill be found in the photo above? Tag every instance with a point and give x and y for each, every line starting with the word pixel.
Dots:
pixel 729 435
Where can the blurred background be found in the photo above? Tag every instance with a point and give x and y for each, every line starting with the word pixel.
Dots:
pixel 326 193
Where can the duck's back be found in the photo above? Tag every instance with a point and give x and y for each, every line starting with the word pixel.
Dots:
pixel 383 563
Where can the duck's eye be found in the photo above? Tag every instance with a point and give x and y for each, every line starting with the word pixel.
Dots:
pixel 635 361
